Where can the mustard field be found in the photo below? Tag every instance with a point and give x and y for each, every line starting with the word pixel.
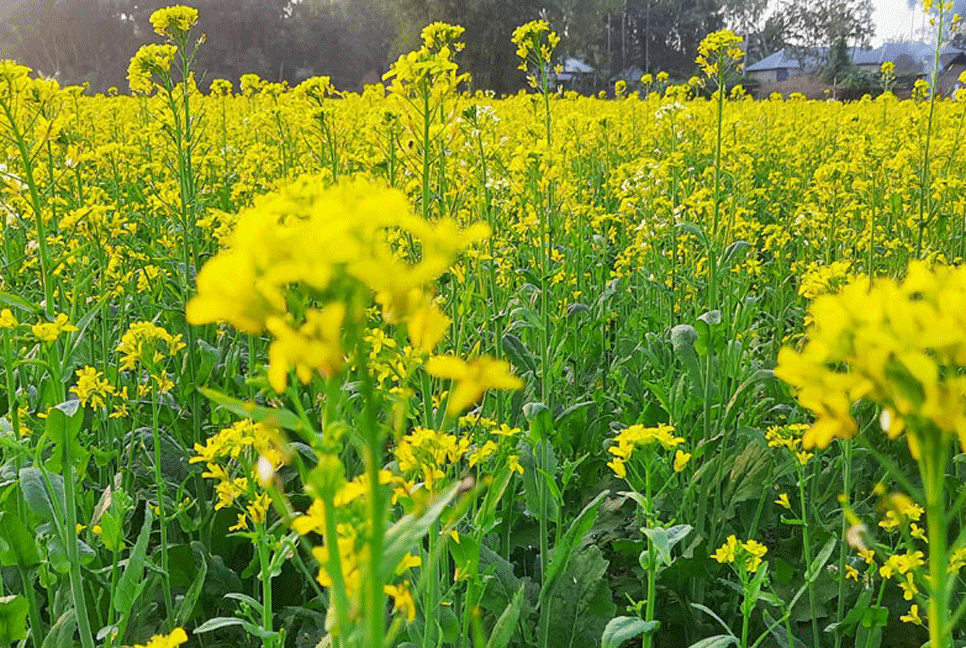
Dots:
pixel 424 367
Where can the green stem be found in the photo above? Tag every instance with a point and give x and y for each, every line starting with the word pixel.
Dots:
pixel 544 542
pixel 160 490
pixel 28 589
pixel 651 559
pixel 846 490
pixel 266 578
pixel 933 467
pixel 73 556
pixel 807 550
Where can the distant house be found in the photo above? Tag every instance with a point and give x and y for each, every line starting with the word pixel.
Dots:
pixel 780 66
pixel 632 75
pixel 912 60
pixel 574 74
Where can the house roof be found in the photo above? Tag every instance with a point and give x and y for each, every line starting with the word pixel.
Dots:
pixel 915 58
pixel 783 59
pixel 576 66
pixel 632 74
pixel 573 68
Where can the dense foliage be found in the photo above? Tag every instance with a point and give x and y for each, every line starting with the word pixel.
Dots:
pixel 353 41
pixel 415 367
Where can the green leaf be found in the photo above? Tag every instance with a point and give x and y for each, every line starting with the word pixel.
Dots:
pixel 64 423
pixel 532 477
pixel 403 535
pixel 506 625
pixel 131 583
pixel 466 554
pixel 663 541
pixel 269 416
pixel 570 410
pixel 226 622
pixel 719 641
pixel 759 376
pixel 34 488
pixel 581 603
pixel 17 543
pixel 563 552
pixel 713 615
pixel 487 512
pixel 683 341
pixel 13 301
pixel 13 619
pixel 187 605
pixel 57 554
pixel 621 629
pixel 541 421
pixel 519 354
pixel 502 583
pixel 875 616
pixel 749 471
pixel 780 634
pixel 868 637
pixel 819 562
pixel 61 634
pixel 217 623
pixel 696 230
pixel 731 255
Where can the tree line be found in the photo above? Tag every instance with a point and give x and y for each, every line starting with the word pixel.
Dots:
pixel 353 41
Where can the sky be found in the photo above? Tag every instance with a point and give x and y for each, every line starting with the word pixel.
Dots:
pixel 893 19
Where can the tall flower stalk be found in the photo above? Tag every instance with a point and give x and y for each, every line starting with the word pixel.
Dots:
pixel 899 346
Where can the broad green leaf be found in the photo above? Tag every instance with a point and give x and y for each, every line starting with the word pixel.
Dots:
pixel 541 421
pixel 582 603
pixel 683 341
pixel 719 641
pixel 187 605
pixel 622 629
pixel 218 623
pixel 534 476
pixel 13 619
pixel 569 541
pixel 819 561
pixel 780 634
pixel 519 355
pixel 61 634
pixel 502 583
pixel 664 541
pixel 57 554
pixel 18 546
pixel 506 625
pixel 35 492
pixel 13 301
pixel 64 423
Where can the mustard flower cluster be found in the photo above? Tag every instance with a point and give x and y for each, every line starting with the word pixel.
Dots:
pixel 900 345
pixel 745 556
pixel 333 243
pixel 635 436
pixel 719 52
pixel 148 63
pixel 174 21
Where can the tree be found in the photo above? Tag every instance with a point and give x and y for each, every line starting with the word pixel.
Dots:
pixel 815 26
pixel 666 33
pixel 764 32
pixel 75 41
